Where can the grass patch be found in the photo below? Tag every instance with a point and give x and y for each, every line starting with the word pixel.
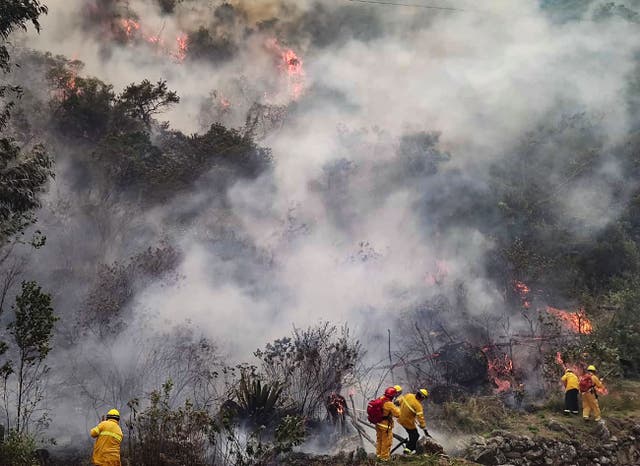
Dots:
pixel 473 415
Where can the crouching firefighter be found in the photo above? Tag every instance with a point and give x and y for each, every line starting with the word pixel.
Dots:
pixel 381 412
pixel 108 435
pixel 411 410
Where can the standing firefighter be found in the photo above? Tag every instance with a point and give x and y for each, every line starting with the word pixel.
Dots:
pixel 381 412
pixel 410 410
pixel 108 435
pixel 571 385
pixel 589 382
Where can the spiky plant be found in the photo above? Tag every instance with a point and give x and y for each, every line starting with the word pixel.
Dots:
pixel 258 401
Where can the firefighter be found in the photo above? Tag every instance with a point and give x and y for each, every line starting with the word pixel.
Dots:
pixel 398 399
pixel 411 410
pixel 108 435
pixel 571 385
pixel 589 382
pixel 384 428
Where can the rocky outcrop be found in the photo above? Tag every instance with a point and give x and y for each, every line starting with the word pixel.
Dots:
pixel 506 449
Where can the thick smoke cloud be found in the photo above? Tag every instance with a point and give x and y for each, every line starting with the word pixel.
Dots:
pixel 345 227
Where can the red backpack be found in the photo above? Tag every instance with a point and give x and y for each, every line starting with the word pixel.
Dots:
pixel 375 412
pixel 586 383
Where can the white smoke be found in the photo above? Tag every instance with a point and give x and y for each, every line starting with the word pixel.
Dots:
pixel 481 79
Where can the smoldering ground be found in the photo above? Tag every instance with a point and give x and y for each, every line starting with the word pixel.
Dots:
pixel 377 167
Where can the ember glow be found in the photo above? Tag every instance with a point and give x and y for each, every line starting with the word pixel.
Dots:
pixel 523 291
pixel 130 27
pixel 438 277
pixel 575 368
pixel 181 54
pixel 499 369
pixel 291 66
pixel 65 85
pixel 133 30
pixel 577 322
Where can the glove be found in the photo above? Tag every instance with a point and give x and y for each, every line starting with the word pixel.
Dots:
pixel 426 432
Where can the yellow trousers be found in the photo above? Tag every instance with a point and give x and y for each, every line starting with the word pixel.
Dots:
pixel 384 439
pixel 590 403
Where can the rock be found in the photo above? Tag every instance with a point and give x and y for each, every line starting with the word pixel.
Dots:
pixel 558 427
pixel 602 432
pixel 534 454
pixel 604 460
pixel 487 456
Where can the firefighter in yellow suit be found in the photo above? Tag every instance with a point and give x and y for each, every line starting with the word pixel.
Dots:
pixel 411 410
pixel 589 396
pixel 384 429
pixel 108 435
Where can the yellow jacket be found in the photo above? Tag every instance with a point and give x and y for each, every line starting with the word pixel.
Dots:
pixel 410 409
pixel 106 451
pixel 570 381
pixel 390 411
pixel 596 381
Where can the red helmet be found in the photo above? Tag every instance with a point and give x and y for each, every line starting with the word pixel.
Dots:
pixel 390 392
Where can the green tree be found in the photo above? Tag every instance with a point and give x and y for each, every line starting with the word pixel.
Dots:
pixel 144 100
pixel 22 176
pixel 16 14
pixel 32 331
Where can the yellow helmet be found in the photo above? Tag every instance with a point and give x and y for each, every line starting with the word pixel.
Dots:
pixel 592 368
pixel 113 414
pixel 424 392
pixel 398 389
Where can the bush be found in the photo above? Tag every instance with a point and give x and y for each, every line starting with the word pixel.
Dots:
pixel 311 365
pixel 18 450
pixel 162 436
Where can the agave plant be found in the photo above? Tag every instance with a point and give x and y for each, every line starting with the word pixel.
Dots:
pixel 258 401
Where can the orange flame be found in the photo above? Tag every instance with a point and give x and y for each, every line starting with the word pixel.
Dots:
pixel 132 30
pixel 559 359
pixel 181 54
pixel 292 67
pixel 523 291
pixel 500 370
pixel 577 321
pixel 295 72
pixel 129 26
